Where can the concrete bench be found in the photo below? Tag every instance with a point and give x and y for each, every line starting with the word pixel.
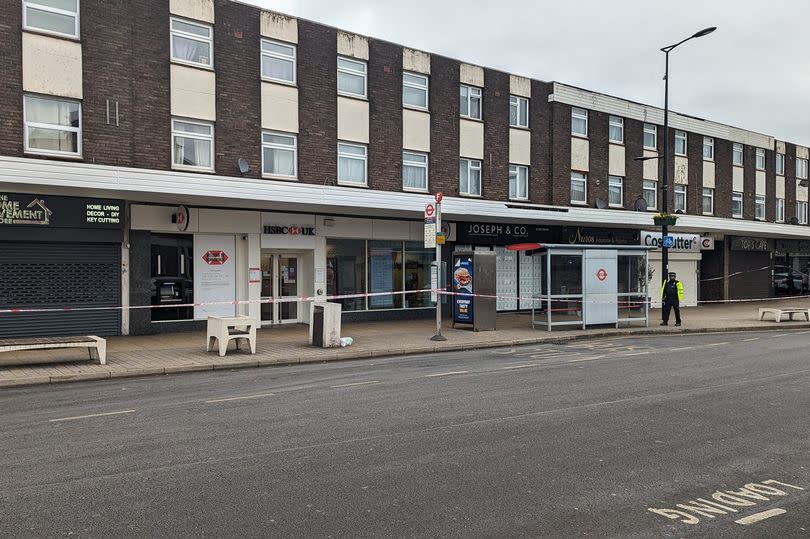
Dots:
pixel 96 346
pixel 223 329
pixel 777 313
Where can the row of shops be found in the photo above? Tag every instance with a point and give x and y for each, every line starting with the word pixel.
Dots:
pixel 107 267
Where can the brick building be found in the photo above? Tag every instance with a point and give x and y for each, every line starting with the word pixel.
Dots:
pixel 140 141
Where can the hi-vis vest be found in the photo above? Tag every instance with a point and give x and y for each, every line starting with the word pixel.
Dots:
pixel 679 286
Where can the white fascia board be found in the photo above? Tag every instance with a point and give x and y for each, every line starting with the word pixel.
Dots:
pixel 171 187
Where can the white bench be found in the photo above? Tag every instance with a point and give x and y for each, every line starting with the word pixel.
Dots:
pixel 96 346
pixel 777 313
pixel 223 329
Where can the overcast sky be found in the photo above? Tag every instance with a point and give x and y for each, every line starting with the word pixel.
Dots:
pixel 753 72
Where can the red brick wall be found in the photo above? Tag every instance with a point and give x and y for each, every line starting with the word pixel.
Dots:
pixel 11 119
pixel 790 181
pixel 444 121
pixel 770 185
pixel 723 177
pixel 633 170
pixel 598 157
pixel 385 116
pixel 749 182
pixel 495 165
pixel 561 154
pixel 694 191
pixel 540 184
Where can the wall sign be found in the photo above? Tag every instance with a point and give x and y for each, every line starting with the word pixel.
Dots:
pixel 463 287
pixel 47 211
pixel 291 230
pixel 793 246
pixel 743 243
pixel 678 242
pixel 599 236
pixel 215 278
pixel 505 234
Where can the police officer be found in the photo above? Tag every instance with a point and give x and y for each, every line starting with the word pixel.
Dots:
pixel 671 296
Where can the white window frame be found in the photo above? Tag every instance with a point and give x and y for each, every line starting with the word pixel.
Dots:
pixel 277 146
pixel 780 164
pixel 579 177
pixel 708 192
pixel 617 122
pixel 650 129
pixel 759 207
pixel 737 150
pixel 780 210
pixel 516 171
pixel 472 164
pixel 193 37
pixel 422 87
pixel 708 144
pixel 735 196
pixel 345 155
pixel 801 212
pixel 54 127
pixel 681 136
pixel 646 189
pixel 801 168
pixel 41 7
pixel 679 189
pixel 759 159
pixel 578 113
pixel 356 71
pixel 406 162
pixel 616 181
pixel 473 92
pixel 517 101
pixel 279 56
pixel 197 136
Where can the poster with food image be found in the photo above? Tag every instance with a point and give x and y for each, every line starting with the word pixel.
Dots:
pixel 463 288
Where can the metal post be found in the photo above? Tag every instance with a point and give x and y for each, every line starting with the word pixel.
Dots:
pixel 438 336
pixel 665 186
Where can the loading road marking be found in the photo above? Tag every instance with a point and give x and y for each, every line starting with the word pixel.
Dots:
pixel 91 415
pixel 228 399
pixel 354 384
pixel 758 517
pixel 451 373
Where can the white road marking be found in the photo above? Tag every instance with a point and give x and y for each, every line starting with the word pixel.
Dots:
pixel 451 373
pixel 751 339
pixel 357 384
pixel 591 358
pixel 638 353
pixel 758 517
pixel 781 335
pixel 682 348
pixel 91 415
pixel 227 399
pixel 718 343
pixel 510 367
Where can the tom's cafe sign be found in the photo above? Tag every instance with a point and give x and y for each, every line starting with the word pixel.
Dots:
pixel 678 242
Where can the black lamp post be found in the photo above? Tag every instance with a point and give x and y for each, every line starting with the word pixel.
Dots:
pixel 665 183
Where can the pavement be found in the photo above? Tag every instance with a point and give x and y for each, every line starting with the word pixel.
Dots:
pixel 671 435
pixel 185 351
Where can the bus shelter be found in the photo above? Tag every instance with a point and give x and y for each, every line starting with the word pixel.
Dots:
pixel 587 285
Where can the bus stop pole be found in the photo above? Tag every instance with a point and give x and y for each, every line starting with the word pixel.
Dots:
pixel 438 284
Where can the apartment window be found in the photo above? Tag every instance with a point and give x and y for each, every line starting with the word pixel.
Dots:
pixel 415 90
pixel 616 129
pixel 680 142
pixel 708 201
pixel 279 154
pixel 780 210
pixel 579 121
pixel 801 168
pixel 518 182
pixel 414 171
pixel 351 77
pixel 470 102
pixel 801 212
pixel 352 163
pixel 708 148
pixel 469 177
pixel 780 164
pixel 615 191
pixel 52 126
pixel 737 204
pixel 579 188
pixel 760 159
pixel 759 208
pixel 278 61
pixel 650 193
pixel 650 136
pixel 679 203
pixel 192 43
pixel 192 145
pixel 737 155
pixel 518 111
pixel 52 16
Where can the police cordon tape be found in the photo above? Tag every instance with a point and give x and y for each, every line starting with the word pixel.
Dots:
pixel 538 300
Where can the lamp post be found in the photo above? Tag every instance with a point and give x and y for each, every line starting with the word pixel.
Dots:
pixel 665 183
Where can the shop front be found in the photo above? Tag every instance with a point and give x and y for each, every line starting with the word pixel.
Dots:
pixel 791 267
pixel 684 260
pixel 751 273
pixel 60 253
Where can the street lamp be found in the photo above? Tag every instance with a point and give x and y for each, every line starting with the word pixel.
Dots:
pixel 665 186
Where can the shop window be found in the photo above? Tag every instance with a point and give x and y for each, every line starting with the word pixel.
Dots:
pixel 417 273
pixel 346 272
pixel 384 274
pixel 172 259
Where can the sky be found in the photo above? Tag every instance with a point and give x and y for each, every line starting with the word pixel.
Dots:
pixel 752 73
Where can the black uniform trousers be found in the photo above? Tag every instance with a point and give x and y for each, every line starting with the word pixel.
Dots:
pixel 667 306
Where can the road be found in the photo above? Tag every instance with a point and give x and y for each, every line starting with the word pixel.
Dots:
pixel 662 436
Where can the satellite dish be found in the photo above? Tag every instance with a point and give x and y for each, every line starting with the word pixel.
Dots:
pixel 794 220
pixel 601 204
pixel 244 167
pixel 803 183
pixel 640 204
pixel 679 211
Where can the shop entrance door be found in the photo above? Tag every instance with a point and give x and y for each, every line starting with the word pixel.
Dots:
pixel 280 280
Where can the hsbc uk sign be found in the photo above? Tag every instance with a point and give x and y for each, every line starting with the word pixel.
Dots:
pixel 290 230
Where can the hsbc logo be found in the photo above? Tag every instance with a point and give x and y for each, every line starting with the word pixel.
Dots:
pixel 290 230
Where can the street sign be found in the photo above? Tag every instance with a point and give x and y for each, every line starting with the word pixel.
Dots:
pixel 430 211
pixel 439 197
pixel 601 274
pixel 430 225
pixel 668 242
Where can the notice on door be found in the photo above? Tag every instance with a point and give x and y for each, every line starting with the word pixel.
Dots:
pixel 214 275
